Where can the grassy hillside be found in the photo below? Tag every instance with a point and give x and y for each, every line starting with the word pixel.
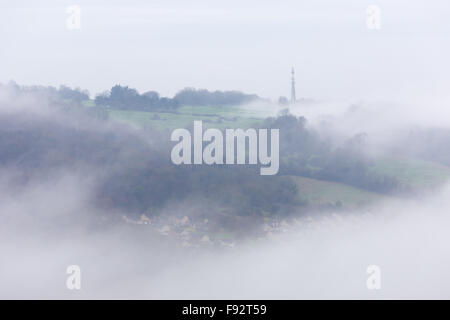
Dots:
pixel 183 117
pixel 324 193
pixel 413 173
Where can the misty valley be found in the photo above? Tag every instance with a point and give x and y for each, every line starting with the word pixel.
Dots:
pixel 100 170
pixel 217 153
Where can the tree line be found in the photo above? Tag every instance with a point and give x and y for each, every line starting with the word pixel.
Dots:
pixel 125 98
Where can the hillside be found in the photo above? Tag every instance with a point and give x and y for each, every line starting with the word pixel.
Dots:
pixel 413 174
pixel 319 193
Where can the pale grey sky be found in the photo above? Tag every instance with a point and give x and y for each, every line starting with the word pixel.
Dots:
pixel 244 45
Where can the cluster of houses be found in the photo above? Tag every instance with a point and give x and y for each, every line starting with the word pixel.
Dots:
pixel 188 232
pixel 194 234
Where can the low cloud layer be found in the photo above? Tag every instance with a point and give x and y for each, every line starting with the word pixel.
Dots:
pixel 45 229
pixel 51 220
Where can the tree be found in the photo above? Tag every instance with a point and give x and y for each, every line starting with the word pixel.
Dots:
pixel 125 98
pixel 283 101
pixel 73 94
pixel 202 97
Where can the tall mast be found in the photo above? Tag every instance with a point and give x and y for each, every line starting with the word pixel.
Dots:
pixel 293 99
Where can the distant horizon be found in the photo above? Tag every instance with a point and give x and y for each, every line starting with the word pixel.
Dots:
pixel 93 95
pixel 251 46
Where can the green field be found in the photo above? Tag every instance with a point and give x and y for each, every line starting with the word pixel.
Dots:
pixel 320 193
pixel 217 117
pixel 183 117
pixel 413 173
pixel 416 175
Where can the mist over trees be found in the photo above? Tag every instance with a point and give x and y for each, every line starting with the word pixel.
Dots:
pixel 135 174
pixel 132 170
pixel 304 153
pixel 141 179
pixel 432 144
pixel 202 97
pixel 125 98
pixel 63 94
pixel 76 95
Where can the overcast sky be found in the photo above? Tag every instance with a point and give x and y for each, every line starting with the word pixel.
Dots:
pixel 244 45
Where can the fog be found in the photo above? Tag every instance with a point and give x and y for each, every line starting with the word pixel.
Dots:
pixel 250 46
pixel 50 221
pixel 44 229
pixel 77 188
